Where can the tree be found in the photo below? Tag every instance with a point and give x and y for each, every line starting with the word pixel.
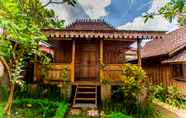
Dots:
pixel 171 10
pixel 22 21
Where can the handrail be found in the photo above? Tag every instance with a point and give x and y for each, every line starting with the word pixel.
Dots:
pixel 56 72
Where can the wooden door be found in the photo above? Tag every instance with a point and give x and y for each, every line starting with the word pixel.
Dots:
pixel 87 61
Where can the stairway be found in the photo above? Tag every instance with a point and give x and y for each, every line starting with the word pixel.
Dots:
pixel 85 96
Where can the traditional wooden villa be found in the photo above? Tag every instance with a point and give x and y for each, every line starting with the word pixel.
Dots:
pixel 164 60
pixel 85 52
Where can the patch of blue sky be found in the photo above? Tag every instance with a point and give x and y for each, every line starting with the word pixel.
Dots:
pixel 123 11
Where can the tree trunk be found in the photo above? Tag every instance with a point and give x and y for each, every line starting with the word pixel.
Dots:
pixel 8 106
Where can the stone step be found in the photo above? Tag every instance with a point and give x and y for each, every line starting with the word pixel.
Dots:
pixel 87 105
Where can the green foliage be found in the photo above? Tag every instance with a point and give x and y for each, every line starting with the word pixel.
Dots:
pixel 16 71
pixel 3 93
pixel 42 108
pixel 170 95
pixel 5 48
pixel 110 107
pixel 171 10
pixel 131 85
pixel 158 91
pixel 1 111
pixel 65 74
pixel 128 92
pixel 51 92
pixel 62 109
pixel 136 110
pixel 34 102
pixel 117 115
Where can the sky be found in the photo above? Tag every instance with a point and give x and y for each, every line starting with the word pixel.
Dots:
pixel 122 14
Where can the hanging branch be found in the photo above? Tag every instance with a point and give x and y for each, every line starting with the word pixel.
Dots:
pixel 53 2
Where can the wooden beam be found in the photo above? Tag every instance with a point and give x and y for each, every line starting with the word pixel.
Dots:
pixel 73 61
pixel 139 52
pixel 101 58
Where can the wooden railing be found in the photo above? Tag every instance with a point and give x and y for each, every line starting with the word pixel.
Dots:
pixel 55 72
pixel 113 72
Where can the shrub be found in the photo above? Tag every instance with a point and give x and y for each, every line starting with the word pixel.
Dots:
pixel 168 95
pixel 128 93
pixel 35 108
pixel 136 110
pixel 3 93
pixel 158 91
pixel 117 115
pixel 131 83
pixel 41 108
pixel 61 110
pixel 51 92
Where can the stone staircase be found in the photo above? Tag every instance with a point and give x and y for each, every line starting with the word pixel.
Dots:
pixel 85 96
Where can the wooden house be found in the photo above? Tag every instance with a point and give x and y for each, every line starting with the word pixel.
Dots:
pixel 85 52
pixel 164 60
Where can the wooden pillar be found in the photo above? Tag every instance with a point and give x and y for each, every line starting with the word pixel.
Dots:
pixel 139 52
pixel 101 51
pixel 101 58
pixel 73 61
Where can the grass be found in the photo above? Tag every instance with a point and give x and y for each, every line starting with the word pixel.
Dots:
pixel 61 110
pixel 117 115
pixel 1 110
pixel 136 110
pixel 39 108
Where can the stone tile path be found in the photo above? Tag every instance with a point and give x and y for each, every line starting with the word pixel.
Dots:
pixel 83 113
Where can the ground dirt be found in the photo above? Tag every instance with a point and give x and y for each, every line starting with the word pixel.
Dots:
pixel 171 113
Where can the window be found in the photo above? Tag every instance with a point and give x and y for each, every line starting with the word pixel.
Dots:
pixel 177 70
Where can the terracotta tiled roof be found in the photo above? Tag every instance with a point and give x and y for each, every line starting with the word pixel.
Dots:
pixel 99 29
pixel 88 24
pixel 169 43
pixel 180 57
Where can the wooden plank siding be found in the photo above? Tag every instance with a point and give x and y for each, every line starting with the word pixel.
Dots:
pixel 158 73
pixel 62 51
pixel 113 72
pixel 163 73
pixel 114 52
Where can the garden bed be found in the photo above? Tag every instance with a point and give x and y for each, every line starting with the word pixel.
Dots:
pixel 39 108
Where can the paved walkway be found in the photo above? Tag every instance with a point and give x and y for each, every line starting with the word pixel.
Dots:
pixel 170 112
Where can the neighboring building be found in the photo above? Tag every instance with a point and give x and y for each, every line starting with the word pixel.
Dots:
pixel 164 60
pixel 131 54
pixel 85 52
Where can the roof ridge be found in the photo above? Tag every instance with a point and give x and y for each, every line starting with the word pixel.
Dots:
pixel 88 20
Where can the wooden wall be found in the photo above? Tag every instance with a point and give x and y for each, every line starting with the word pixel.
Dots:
pixel 114 52
pixel 162 73
pixel 62 51
pixel 158 73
